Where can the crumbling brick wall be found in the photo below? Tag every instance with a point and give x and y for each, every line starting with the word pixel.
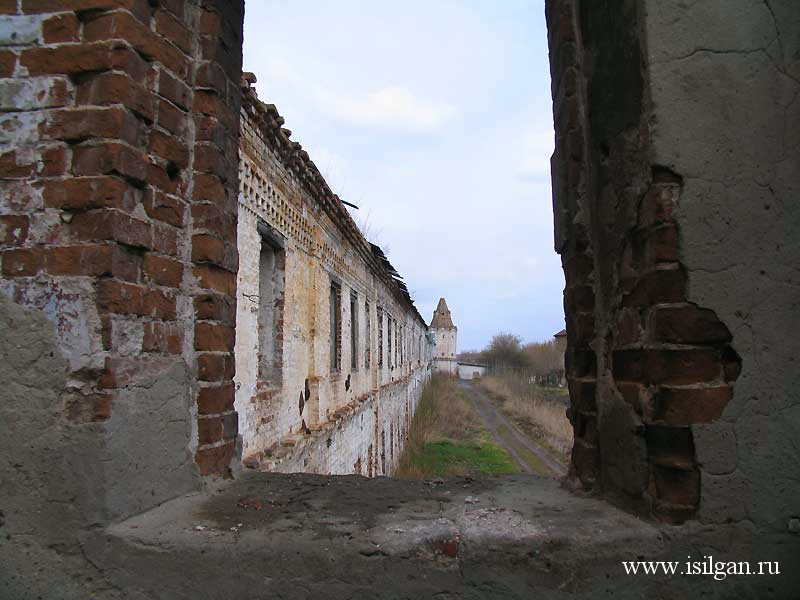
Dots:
pixel 119 179
pixel 652 365
pixel 299 408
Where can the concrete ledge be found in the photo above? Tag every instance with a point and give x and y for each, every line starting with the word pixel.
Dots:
pixel 304 536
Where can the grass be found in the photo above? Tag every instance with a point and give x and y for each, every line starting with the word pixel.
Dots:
pixel 539 412
pixel 447 438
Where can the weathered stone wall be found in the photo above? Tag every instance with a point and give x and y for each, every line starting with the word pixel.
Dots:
pixel 297 411
pixel 116 163
pixel 445 350
pixel 672 175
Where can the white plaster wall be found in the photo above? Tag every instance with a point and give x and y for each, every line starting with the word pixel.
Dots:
pixel 469 371
pixel 734 140
pixel 354 404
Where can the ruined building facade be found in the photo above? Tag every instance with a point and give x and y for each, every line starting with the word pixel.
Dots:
pixel 444 334
pixel 675 179
pixel 675 175
pixel 331 354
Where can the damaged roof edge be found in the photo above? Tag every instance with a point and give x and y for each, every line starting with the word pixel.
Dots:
pixel 270 123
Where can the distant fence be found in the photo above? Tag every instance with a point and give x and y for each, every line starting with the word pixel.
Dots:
pixel 524 381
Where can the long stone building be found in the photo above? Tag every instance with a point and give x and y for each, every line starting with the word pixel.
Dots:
pixel 331 354
pixel 675 177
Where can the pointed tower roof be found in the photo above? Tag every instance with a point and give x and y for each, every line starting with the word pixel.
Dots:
pixel 441 317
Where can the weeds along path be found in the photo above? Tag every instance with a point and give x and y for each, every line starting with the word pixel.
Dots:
pixel 531 457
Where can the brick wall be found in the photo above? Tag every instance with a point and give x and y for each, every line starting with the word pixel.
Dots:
pixel 643 363
pixel 119 178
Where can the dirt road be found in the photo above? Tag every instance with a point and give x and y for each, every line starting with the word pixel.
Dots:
pixel 531 457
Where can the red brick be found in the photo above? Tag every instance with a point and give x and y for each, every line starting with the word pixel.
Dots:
pixel 215 460
pixel 210 75
pixel 580 329
pixel 582 395
pixel 209 23
pixel 682 367
pixel 85 123
pixel 658 204
pixel 215 278
pixel 120 298
pixel 162 337
pixel 585 461
pixel 215 307
pixel 677 486
pixel 214 338
pixel 94 260
pixel 628 327
pixel 209 430
pixel 580 363
pixel 169 148
pixel 163 271
pixel 73 59
pixel 117 88
pixel 110 158
pixel 171 118
pixel 111 225
pixel 670 366
pixel 174 90
pixel 63 27
pixel 632 394
pixel 121 25
pixel 585 427
pixel 210 159
pixel 12 166
pixel 13 230
pixel 686 406
pixel 83 193
pixel 659 286
pixel 688 325
pixel 215 367
pixel 209 129
pixel 579 299
pixel 140 8
pixel 215 399
pixel 672 447
pixel 8 61
pixel 53 161
pixel 208 188
pixel 8 7
pixel 165 239
pixel 214 429
pixel 88 408
pixel 165 208
pixel 206 248
pixel 22 262
pixel 159 178
pixel 173 30
pixel 160 305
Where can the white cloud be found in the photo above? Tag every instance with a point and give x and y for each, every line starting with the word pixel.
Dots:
pixel 394 107
pixel 536 148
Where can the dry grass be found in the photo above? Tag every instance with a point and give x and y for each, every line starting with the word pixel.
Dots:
pixel 447 437
pixel 531 409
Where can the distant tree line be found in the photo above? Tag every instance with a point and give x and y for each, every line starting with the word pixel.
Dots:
pixel 543 361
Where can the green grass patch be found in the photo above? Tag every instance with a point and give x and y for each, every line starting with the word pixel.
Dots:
pixel 446 458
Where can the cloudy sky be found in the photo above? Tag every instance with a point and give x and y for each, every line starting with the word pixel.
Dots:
pixel 434 117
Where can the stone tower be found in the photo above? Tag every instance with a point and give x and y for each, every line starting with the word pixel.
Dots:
pixel 444 340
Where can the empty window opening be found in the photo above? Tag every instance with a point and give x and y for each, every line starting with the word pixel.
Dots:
pixel 270 312
pixel 354 331
pixel 380 337
pixel 336 326
pixel 368 337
